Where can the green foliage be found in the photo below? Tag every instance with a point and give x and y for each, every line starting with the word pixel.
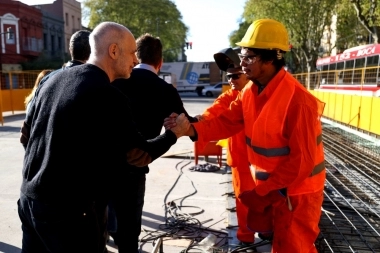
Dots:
pixel 160 18
pixel 368 15
pixel 237 35
pixel 310 22
pixel 348 27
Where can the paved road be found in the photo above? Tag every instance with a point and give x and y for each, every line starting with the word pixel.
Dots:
pixel 203 196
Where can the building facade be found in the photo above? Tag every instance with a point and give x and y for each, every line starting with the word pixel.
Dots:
pixel 71 13
pixel 36 31
pixel 21 34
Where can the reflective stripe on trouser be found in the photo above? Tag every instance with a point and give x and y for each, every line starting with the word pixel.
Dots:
pixel 242 181
pixel 263 175
pixel 296 231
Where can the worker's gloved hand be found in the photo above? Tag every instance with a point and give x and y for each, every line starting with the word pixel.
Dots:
pixel 258 203
pixel 138 157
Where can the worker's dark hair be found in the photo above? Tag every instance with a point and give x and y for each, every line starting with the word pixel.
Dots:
pixel 270 55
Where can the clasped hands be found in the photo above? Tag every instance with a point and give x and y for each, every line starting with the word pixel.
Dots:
pixel 173 121
pixel 178 124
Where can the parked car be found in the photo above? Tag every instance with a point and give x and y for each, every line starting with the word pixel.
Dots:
pixel 213 91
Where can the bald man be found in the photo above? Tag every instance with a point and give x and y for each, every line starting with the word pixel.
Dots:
pixel 81 131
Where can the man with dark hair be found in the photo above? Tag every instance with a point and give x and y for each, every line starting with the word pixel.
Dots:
pixel 79 48
pixel 143 88
pixel 80 51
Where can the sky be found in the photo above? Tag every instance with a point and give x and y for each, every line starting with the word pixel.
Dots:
pixel 209 21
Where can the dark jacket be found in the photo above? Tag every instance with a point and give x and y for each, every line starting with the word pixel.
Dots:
pixel 152 100
pixel 69 64
pixel 81 130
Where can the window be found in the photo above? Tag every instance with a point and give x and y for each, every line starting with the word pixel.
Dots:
pixel 72 17
pixel 339 65
pixel 349 64
pixel 26 37
pixel 59 43
pixel 359 63
pixel 67 19
pixel 79 24
pixel 332 66
pixel 45 42
pixel 10 36
pixel 52 38
pixel 372 61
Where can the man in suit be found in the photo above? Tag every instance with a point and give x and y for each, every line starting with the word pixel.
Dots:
pixel 144 88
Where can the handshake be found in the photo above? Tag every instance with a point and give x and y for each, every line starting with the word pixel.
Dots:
pixel 179 125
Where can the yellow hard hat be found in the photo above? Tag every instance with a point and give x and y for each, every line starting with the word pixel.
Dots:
pixel 266 34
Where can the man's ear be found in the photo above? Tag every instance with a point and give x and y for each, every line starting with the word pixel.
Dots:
pixel 113 51
pixel 159 65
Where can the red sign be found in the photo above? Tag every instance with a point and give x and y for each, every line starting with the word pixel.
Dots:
pixel 351 53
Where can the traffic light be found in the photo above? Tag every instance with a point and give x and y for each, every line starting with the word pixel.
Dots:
pixel 189 44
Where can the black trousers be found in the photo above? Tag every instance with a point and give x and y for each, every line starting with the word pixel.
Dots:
pixel 128 202
pixel 62 227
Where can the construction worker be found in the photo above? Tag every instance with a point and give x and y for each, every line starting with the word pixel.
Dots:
pixel 228 61
pixel 283 132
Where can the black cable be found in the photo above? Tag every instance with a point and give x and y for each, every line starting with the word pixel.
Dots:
pixel 251 246
pixel 183 225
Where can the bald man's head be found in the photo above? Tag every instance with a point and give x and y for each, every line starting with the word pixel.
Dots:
pixel 113 48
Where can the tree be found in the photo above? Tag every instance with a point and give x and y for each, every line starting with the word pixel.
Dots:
pixel 305 20
pixel 237 35
pixel 164 20
pixel 349 31
pixel 368 15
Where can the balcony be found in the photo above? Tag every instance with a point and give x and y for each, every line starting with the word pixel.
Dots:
pixel 31 46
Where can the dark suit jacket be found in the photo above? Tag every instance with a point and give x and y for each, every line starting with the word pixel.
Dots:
pixel 152 100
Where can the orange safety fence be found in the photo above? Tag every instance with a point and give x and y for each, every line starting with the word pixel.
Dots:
pixel 14 87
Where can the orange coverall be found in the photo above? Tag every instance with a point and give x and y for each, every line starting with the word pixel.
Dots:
pixel 237 159
pixel 295 230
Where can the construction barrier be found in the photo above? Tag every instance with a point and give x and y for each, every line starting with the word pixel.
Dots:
pixel 360 112
pixel 14 87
